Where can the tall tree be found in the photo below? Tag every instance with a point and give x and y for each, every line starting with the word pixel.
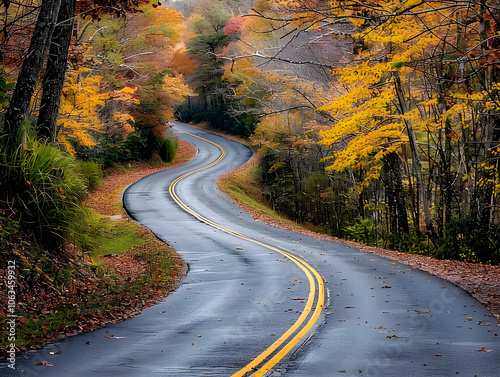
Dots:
pixel 53 80
pixel 32 66
pixel 53 14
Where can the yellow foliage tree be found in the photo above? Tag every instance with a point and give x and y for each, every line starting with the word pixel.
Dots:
pixel 80 102
pixel 84 95
pixel 417 95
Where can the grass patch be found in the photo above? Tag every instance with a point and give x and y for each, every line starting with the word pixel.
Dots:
pixel 244 187
pixel 119 238
pixel 31 329
pixel 105 236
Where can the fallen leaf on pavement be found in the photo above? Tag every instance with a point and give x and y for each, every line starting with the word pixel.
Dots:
pixel 483 350
pixel 44 363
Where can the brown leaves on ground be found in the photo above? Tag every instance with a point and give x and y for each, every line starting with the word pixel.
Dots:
pixel 106 200
pixel 86 301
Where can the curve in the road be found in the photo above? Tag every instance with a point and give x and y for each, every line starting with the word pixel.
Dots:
pixel 380 318
pixel 279 349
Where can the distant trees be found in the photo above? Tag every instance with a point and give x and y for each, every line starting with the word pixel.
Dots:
pixel 212 31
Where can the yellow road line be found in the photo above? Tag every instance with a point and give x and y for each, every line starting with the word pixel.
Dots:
pixel 316 293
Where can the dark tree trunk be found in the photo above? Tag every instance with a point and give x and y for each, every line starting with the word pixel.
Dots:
pixel 395 195
pixel 54 74
pixel 31 67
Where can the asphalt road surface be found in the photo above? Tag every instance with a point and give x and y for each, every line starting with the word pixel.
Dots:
pixel 264 301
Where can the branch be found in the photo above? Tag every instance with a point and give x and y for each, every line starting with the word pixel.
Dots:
pixel 140 53
pixel 285 110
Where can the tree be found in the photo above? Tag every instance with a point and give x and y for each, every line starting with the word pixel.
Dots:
pixel 81 120
pixel 52 13
pixel 31 67
pixel 411 104
pixel 53 80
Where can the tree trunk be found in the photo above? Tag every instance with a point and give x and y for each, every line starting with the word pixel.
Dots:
pixel 416 160
pixel 54 74
pixel 394 195
pixel 31 67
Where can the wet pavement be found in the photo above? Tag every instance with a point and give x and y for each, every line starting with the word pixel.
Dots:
pixel 380 318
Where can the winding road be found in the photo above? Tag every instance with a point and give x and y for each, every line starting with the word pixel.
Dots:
pixel 261 301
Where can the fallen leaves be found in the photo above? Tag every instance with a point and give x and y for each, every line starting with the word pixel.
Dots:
pixel 41 300
pixel 114 337
pixel 44 363
pixel 482 349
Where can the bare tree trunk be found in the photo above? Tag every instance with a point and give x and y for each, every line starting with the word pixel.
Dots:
pixel 416 160
pixel 31 67
pixel 53 81
pixel 394 195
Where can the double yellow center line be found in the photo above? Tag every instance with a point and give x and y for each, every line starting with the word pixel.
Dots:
pixel 264 362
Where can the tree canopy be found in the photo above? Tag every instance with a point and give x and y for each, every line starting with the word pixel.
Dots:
pixel 404 115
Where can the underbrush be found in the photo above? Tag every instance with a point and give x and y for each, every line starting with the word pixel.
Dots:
pixel 465 240
pixel 57 298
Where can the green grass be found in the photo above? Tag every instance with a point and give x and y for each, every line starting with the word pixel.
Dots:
pixel 105 236
pixel 168 149
pixel 245 188
pixel 43 325
pixel 116 238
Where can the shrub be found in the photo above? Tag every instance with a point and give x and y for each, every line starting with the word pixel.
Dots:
pixel 471 239
pixel 42 190
pixel 140 145
pixel 168 150
pixel 363 230
pixel 91 172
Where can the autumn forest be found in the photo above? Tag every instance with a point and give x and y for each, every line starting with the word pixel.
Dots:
pixel 374 121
